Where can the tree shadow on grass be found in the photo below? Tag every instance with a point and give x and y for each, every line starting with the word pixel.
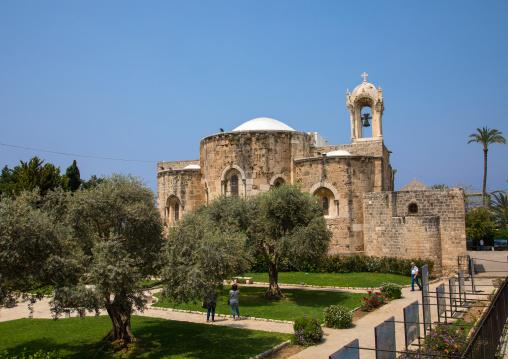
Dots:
pixel 157 338
pixel 163 338
pixel 67 350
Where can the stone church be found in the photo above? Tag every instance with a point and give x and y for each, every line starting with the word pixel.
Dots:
pixel 352 182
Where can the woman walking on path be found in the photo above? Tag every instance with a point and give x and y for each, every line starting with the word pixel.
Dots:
pixel 211 302
pixel 414 277
pixel 233 301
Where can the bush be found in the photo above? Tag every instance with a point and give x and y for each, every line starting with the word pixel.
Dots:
pixel 348 264
pixel 308 331
pixel 443 340
pixel 338 317
pixel 393 290
pixel 373 300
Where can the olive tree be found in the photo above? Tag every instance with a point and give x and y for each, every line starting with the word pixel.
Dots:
pixel 115 231
pixel 288 223
pixel 31 245
pixel 206 247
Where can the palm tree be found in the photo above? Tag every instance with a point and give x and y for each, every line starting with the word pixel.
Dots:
pixel 486 136
pixel 500 206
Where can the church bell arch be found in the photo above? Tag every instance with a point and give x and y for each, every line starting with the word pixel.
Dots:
pixel 365 95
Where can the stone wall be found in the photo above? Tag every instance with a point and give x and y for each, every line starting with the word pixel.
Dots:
pixel 436 231
pixel 184 184
pixel 346 178
pixel 375 148
pixel 258 158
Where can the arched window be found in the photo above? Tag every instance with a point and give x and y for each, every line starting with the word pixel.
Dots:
pixel 172 210
pixel 234 185
pixel 412 208
pixel 177 212
pixel 325 206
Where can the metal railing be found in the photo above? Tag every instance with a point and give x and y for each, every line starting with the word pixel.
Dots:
pixel 486 339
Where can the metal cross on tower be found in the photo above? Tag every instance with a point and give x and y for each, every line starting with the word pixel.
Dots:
pixel 364 75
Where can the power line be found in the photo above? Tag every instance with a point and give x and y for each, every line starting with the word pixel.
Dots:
pixel 76 155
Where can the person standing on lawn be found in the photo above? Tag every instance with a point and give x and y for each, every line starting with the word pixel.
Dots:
pixel 414 277
pixel 211 302
pixel 233 301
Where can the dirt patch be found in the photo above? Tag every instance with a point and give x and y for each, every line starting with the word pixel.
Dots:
pixel 286 352
pixel 359 314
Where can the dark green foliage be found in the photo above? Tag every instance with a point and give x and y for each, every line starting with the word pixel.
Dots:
pixel 72 174
pixel 5 180
pixel 338 317
pixel 500 233
pixel 338 263
pixel 499 206
pixel 393 290
pixel 308 331
pixel 31 175
pixel 479 225
pixel 93 182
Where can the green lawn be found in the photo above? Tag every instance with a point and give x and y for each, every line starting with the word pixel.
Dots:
pixel 81 338
pixel 298 303
pixel 358 280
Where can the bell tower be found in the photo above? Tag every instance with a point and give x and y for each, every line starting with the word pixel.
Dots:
pixel 365 95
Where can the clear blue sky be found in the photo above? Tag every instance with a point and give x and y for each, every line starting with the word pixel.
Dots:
pixel 147 80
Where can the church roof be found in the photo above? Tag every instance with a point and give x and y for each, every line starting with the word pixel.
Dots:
pixel 338 153
pixel 264 124
pixel 415 186
pixel 192 167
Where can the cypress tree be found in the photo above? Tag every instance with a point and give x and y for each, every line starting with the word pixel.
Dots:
pixel 72 173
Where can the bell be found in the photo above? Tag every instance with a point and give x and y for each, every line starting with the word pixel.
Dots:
pixel 366 117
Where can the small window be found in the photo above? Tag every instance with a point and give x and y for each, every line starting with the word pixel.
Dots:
pixel 234 185
pixel 412 208
pixel 177 212
pixel 277 184
pixel 325 205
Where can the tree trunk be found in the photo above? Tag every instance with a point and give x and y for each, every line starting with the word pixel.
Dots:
pixel 484 176
pixel 120 314
pixel 273 276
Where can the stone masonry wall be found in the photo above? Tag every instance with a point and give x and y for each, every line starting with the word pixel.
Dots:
pixel 184 184
pixel 391 230
pixel 375 148
pixel 259 156
pixel 347 178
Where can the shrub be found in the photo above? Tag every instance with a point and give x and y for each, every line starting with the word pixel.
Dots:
pixel 393 290
pixel 338 317
pixel 308 331
pixel 373 300
pixel 443 340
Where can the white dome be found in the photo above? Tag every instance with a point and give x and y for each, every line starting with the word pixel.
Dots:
pixel 263 124
pixel 338 153
pixel 192 167
pixel 365 89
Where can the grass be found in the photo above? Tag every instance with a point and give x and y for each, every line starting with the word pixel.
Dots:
pixel 358 280
pixel 159 338
pixel 298 303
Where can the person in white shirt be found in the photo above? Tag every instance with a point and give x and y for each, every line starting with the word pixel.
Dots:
pixel 414 277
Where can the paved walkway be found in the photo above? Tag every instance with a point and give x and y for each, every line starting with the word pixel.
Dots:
pixel 363 329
